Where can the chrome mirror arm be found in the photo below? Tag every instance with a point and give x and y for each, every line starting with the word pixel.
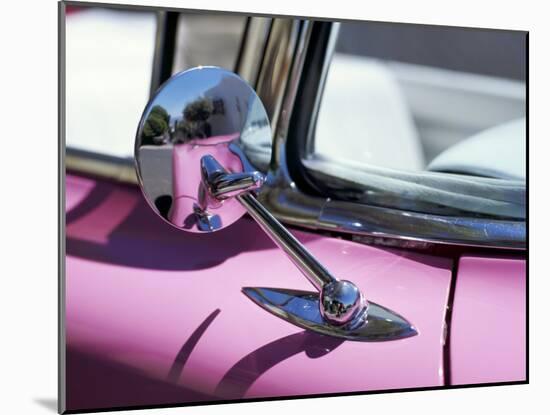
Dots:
pixel 341 303
pixel 316 274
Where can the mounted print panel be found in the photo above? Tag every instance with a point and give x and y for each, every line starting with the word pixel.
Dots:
pixel 263 207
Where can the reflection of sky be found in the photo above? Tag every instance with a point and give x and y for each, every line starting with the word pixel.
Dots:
pixel 244 111
pixel 185 89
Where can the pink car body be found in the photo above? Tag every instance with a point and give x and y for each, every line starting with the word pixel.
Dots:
pixel 185 191
pixel 156 316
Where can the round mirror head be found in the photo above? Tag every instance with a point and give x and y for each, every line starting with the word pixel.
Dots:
pixel 206 111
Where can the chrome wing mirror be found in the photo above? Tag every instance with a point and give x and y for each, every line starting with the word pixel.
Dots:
pixel 195 175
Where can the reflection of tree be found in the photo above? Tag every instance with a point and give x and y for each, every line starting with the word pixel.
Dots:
pixel 155 130
pixel 195 120
pixel 199 110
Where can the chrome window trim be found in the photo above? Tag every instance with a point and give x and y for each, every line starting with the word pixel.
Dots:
pixel 253 48
pixel 276 65
pixel 101 165
pixel 331 47
pixel 165 40
pixel 278 80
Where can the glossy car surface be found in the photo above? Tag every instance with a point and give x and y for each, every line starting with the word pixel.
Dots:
pixel 487 330
pixel 117 252
pixel 156 316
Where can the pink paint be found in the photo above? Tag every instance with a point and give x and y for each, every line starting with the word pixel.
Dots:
pixel 80 188
pixel 146 303
pixel 114 207
pixel 186 160
pixel 488 332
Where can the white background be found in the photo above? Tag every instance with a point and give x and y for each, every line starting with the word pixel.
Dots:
pixel 28 219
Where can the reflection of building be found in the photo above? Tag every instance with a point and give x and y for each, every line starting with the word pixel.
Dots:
pixel 220 111
pixel 219 107
pixel 231 102
pixel 229 108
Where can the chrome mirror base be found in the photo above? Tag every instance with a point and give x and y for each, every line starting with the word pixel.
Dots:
pixel 301 308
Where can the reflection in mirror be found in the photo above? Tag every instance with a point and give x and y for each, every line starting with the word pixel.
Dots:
pixel 199 112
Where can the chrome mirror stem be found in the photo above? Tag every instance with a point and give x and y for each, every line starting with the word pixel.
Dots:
pixel 304 261
pixel 341 302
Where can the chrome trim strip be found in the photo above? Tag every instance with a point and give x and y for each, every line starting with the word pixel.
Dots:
pixel 376 221
pixel 331 46
pixel 100 165
pixel 165 41
pixel 278 172
pixel 253 48
pixel 383 226
pixel 277 61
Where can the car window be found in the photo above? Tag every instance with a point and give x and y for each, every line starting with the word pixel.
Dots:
pixel 109 63
pixel 423 118
pixel 400 95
